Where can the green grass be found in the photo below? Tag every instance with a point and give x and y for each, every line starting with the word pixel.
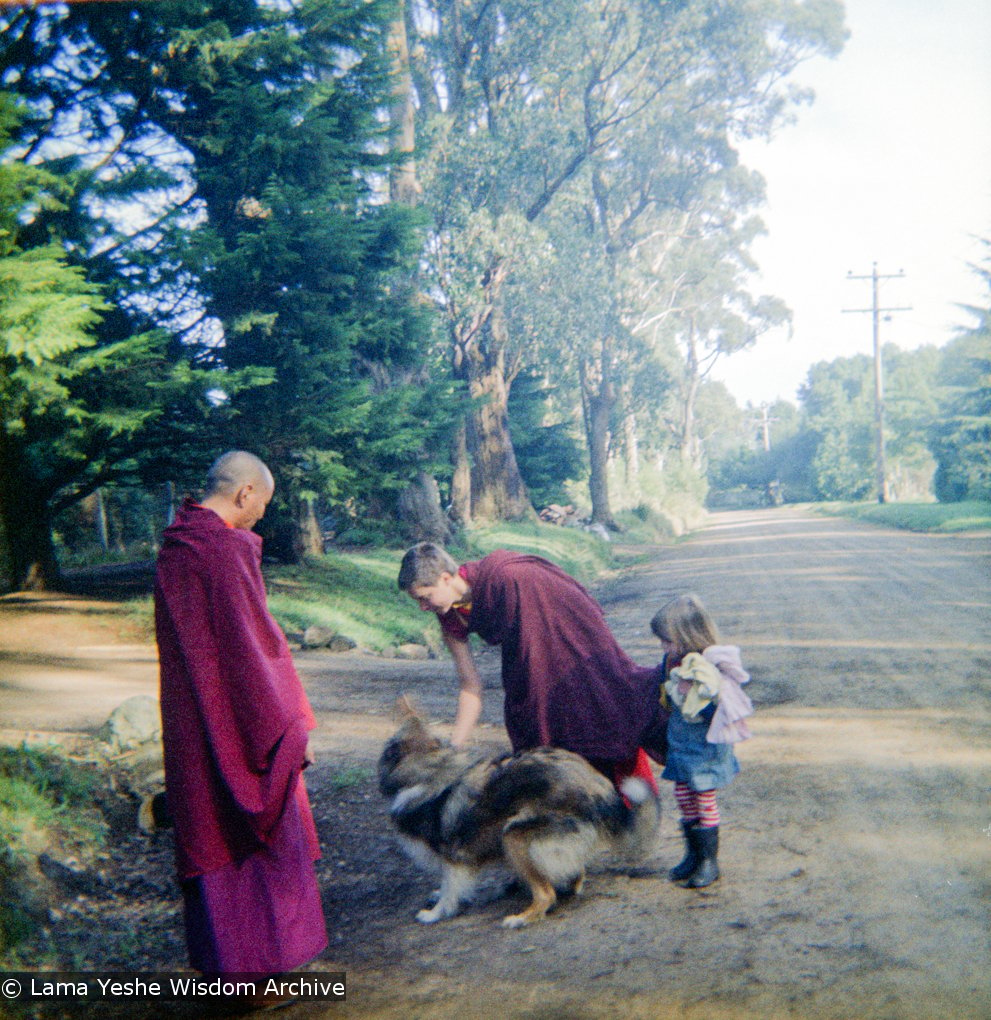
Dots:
pixel 45 801
pixel 40 791
pixel 577 552
pixel 940 518
pixel 355 594
pixel 351 777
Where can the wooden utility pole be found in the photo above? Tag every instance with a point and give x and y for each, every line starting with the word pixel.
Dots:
pixel 764 422
pixel 876 310
pixel 773 485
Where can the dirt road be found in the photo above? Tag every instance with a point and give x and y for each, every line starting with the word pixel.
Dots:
pixel 856 842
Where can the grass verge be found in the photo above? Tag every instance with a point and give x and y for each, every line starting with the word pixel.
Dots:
pixel 355 594
pixel 940 518
pixel 46 801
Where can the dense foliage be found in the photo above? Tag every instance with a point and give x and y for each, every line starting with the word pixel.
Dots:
pixel 937 429
pixel 499 245
pixel 960 434
pixel 215 167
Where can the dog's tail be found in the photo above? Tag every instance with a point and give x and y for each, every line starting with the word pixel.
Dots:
pixel 641 817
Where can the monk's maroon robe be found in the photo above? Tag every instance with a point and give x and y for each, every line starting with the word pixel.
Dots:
pixel 235 724
pixel 567 682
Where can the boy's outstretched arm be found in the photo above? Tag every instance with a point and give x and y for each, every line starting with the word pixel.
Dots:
pixel 470 692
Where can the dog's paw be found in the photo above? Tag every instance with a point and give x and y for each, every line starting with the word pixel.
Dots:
pixel 439 912
pixel 515 921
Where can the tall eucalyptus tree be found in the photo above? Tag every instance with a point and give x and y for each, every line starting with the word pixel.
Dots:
pixel 572 118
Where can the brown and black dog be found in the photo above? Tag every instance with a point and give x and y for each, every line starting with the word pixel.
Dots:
pixel 543 813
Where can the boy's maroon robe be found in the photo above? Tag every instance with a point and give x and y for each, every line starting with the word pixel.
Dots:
pixel 235 724
pixel 566 680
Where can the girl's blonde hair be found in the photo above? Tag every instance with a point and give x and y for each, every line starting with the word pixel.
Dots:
pixel 686 623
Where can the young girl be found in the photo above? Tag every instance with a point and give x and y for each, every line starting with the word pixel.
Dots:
pixel 702 682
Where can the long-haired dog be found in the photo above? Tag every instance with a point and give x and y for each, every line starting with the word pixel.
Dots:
pixel 543 813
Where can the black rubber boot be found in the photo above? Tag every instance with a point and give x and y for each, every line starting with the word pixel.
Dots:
pixel 682 871
pixel 707 870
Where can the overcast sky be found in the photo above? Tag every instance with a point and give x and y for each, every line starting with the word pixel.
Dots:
pixel 891 164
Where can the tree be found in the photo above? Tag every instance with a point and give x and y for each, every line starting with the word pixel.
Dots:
pixel 546 122
pixel 709 312
pixel 911 405
pixel 768 459
pixel 837 397
pixel 960 439
pixel 838 400
pixel 289 267
pixel 296 261
pixel 547 448
pixel 75 399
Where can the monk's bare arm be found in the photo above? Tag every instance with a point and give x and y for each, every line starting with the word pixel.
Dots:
pixel 470 693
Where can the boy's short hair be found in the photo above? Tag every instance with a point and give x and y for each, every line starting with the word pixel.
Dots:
pixel 423 564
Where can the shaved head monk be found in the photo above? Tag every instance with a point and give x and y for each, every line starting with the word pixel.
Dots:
pixel 235 727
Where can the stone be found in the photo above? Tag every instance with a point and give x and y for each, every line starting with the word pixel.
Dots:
pixel 412 651
pixel 132 723
pixel 316 636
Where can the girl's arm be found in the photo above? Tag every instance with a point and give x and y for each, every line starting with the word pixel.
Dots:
pixel 470 693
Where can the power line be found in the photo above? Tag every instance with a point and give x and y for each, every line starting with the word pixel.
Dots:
pixel 875 311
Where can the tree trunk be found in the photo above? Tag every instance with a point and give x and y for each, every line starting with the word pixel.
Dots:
pixel 631 443
pixel 310 535
pixel 27 523
pixel 497 489
pixel 601 393
pixel 34 566
pixel 168 502
pixel 100 520
pixel 420 512
pixel 403 185
pixel 598 448
pixel 498 492
pixel 598 398
pixel 689 443
pixel 30 549
pixel 461 481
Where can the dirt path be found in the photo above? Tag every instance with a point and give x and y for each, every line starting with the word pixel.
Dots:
pixel 856 843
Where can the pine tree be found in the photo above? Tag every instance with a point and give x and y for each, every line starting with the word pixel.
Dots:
pixel 224 161
pixel 298 259
pixel 52 435
pixel 961 439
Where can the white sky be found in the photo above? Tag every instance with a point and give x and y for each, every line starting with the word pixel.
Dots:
pixel 891 164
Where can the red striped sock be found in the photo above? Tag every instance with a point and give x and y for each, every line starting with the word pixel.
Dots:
pixel 707 808
pixel 686 802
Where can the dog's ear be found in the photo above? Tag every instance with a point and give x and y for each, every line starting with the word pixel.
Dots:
pixel 405 709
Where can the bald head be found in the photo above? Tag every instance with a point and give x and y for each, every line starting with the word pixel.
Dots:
pixel 233 469
pixel 239 486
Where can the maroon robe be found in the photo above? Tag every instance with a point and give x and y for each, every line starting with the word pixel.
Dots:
pixel 567 682
pixel 235 724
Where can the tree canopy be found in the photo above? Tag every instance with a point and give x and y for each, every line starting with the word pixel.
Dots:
pixel 496 243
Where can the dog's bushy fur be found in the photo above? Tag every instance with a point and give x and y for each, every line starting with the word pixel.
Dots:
pixel 543 813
